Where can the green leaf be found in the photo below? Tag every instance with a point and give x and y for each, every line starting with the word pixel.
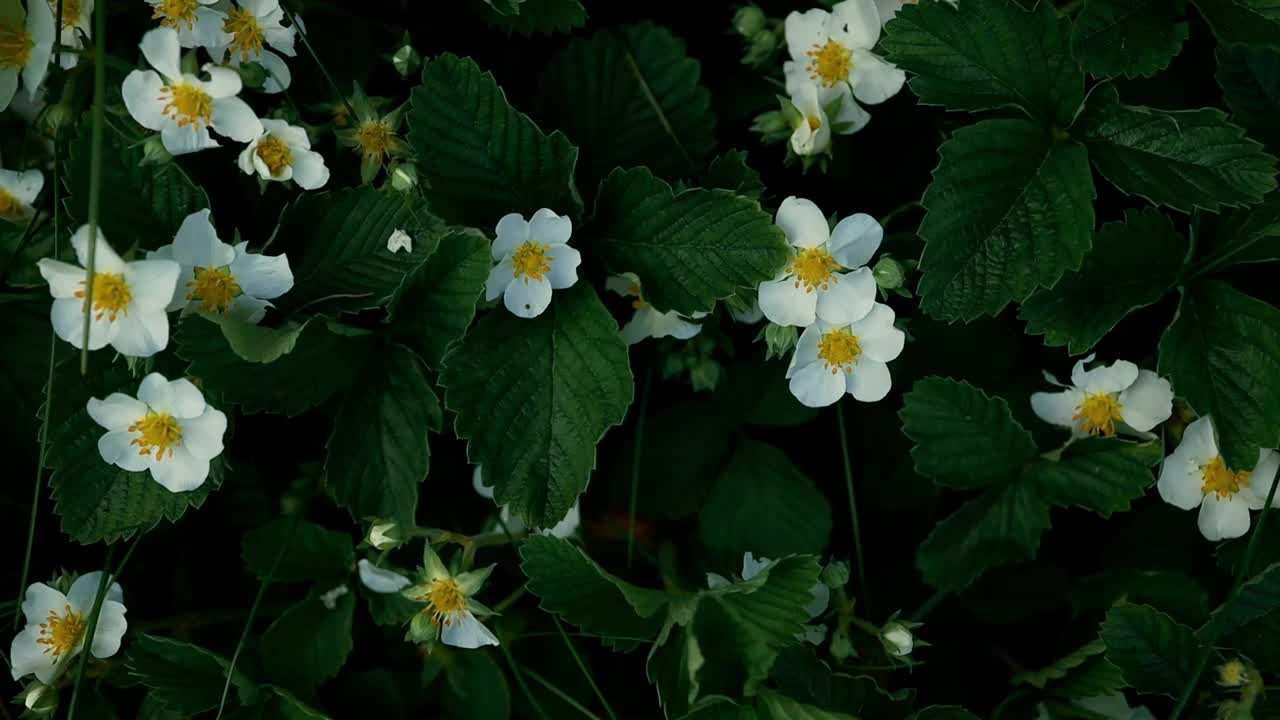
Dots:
pixel 475 688
pixel 378 455
pixel 1132 265
pixel 1185 159
pixel 1222 353
pixel 279 704
pixel 486 158
pixel 309 642
pixel 1247 235
pixel 305 550
pixel 257 343
pixel 1083 673
pixel 534 424
pixel 1155 653
pixel 684 448
pixel 1133 38
pixel 765 505
pixel 672 668
pixel 337 245
pixel 1243 22
pixel 731 172
pixel 1250 80
pixel 573 586
pixel 1010 209
pixel 775 706
pixel 182 677
pixel 24 367
pixel 689 248
pixel 1099 474
pixel 991 54
pixel 439 299
pixel 1000 526
pixel 538 17
pixel 1175 593
pixel 799 673
pixel 944 712
pixel 1256 598
pixel 629 96
pixel 321 364
pixel 963 437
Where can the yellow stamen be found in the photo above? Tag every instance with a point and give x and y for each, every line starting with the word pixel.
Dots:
pixel 531 261
pixel 374 138
pixel 444 599
pixel 1220 479
pixel 815 122
pixel 1098 414
pixel 61 633
pixel 15 44
pixel 831 63
pixel 813 268
pixel 70 12
pixel 157 432
pixel 215 288
pixel 174 13
pixel 188 104
pixel 111 295
pixel 275 153
pixel 839 350
pixel 10 208
pixel 248 37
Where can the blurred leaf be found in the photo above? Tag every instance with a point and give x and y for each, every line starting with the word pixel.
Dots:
pixel 1002 525
pixel 731 172
pixel 1247 235
pixel 306 551
pixel 309 643
pixel 1133 38
pixel 1099 474
pixel 1258 597
pixel 1083 673
pixel 538 17
pixel 774 706
pixel 800 674
pixel 1250 80
pixel 1155 653
pixel 475 688
pixel 182 677
pixel 1242 22
pixel 438 300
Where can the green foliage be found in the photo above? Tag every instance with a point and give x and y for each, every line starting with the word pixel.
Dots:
pixel 1234 237
pixel 475 688
pixel 1250 80
pixel 532 17
pixel 1080 674
pixel 731 172
pixel 438 300
pixel 309 642
pixel 305 551
pixel 1099 474
pixel 1258 597
pixel 1242 22
pixel 181 677
pixel 1155 653
pixel 1127 37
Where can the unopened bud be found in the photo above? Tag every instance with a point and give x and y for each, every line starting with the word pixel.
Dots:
pixel 835 574
pixel 889 273
pixel 897 639
pixel 760 49
pixel 406 61
pixel 384 536
pixel 779 339
pixel 404 177
pixel 749 20
pixel 771 123
pixel 154 152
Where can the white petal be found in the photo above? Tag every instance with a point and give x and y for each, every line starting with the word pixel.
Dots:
pixel 234 118
pixel 379 580
pixel 875 80
pixel 40 23
pixel 861 21
pixel 802 222
pixel 462 629
pixel 805 31
pixel 622 284
pixel 816 386
pixel 222 83
pixel 1199 441
pixel 785 304
pixel 752 566
pixel 279 77
pixel 186 139
pixel 511 232
pixel 117 412
pixel 877 336
pixel 266 277
pixel 527 298
pixel 499 278
pixel 202 435
pixel 39 601
pixel 1057 408
pixel 309 170
pixel 1112 378
pixel 65 279
pixel 111 629
pixel 672 324
pixel 152 284
pixel 1223 518
pixel 1264 473
pixel 27 656
pixel 117 448
pixel 564 262
pixel 870 381
pixel 24 186
pixel 155 391
pixel 1181 482
pixel 547 228
pixel 1147 402
pixel 185 399
pixel 567 526
pixel 639 327
pixel 181 471
pixel 197 243
pixel 161 49
pixel 84 591
pixel 482 488
pixel 806 140
pixel 851 117
pixel 248 309
pixel 67 315
pixel 141 334
pixel 105 259
pixel 848 297
pixel 855 239
pixel 821 598
pixel 806 350
pixel 887 9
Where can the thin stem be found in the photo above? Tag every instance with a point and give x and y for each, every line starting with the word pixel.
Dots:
pixel 95 170
pixel 315 56
pixel 929 606
pixel 853 508
pixel 897 212
pixel 87 649
pixel 566 697
pixel 653 102
pixel 524 686
pixel 585 672
pixel 637 453
pixel 510 600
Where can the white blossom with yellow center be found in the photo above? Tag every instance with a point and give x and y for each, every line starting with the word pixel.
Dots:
pixel 1106 400
pixel 168 430
pixel 283 152
pixel 647 321
pixel 219 279
pixel 825 278
pixel 197 23
pixel 57 624
pixel 449 612
pixel 534 258
pixel 77 27
pixel 18 190
pixel 26 42
pixel 1196 475
pixel 182 107
pixel 248 29
pixel 831 360
pixel 127 306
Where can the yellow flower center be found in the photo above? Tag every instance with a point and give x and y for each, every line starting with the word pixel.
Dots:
pixel 1232 673
pixel 638 303
pixel 70 12
pixel 275 153
pixel 341 116
pixel 187 104
pixel 61 633
pixel 10 208
pixel 157 432
pixel 15 44
pixel 831 63
pixel 531 261
pixel 111 295
pixel 815 122
pixel 443 599
pixel 215 288
pixel 248 36
pixel 1098 414
pixel 1220 479
pixel 839 350
pixel 374 138
pixel 814 267
pixel 174 13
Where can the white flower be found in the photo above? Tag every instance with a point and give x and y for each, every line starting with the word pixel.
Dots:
pixel 831 360
pixel 197 24
pixel 1196 475
pixel 648 322
pixel 813 125
pixel 26 42
pixel 379 580
pixel 168 429
pixel 832 50
pixel 897 639
pixel 450 612
pixel 1107 398
pixel 57 623
pixel 567 526
pixel 219 278
pixel 398 241
pixel 534 258
pixel 18 190
pixel 247 30
pixel 283 152
pixel 814 284
pixel 76 27
pixel 129 299
pixel 182 107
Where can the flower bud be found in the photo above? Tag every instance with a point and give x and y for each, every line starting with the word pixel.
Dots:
pixel 835 574
pixel 897 639
pixel 59 116
pixel 779 339
pixel 760 49
pixel 749 20
pixel 773 125
pixel 406 61
pixel 40 699
pixel 841 648
pixel 154 152
pixel 889 273
pixel 404 176
pixel 252 75
pixel 384 536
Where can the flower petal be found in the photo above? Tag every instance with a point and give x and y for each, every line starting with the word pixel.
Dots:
pixel 1199 441
pixel 499 278
pixel 117 448
pixel 309 170
pixel 1223 518
pixel 279 77
pixel 197 243
pixel 117 411
pixel 855 239
pixel 802 222
pixel 804 32
pixel 67 315
pixel 511 232
pixel 527 298
pixel 265 277
pixel 877 336
pixel 141 334
pixel 152 283
pixel 462 629
pixel 65 279
pixel 111 629
pixel 202 435
pixel 875 80
pixel 28 657
pixel 234 118
pixel 861 21
pixel 380 580
pixel 806 351
pixel 105 259
pixel 1147 402
pixel 185 399
pixel 162 50
pixel 548 228
pixel 870 381
pixel 1181 483
pixel 84 591
pixel 564 262
pixel 39 601
pixel 816 386
pixel 181 471
pixel 222 83
pixel 1057 408
pixel 1112 378
pixel 24 186
pixel 848 297
pixel 786 304
pixel 1264 473
pixel 186 139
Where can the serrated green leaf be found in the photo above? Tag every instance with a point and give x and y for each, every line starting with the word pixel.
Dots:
pixel 534 423
pixel 486 158
pixel 776 706
pixel 763 504
pixel 1222 353
pixel 475 688
pixel 1098 474
pixel 990 54
pixel 539 17
pixel 1250 80
pixel 378 454
pixel 1000 526
pixel 1246 235
pixel 1133 38
pixel 944 712
pixel 731 172
pixel 1185 159
pixel 1060 668
pixel 799 673
pixel 963 437
pixel 257 343
pixel 629 96
pixel 305 550
pixel 1171 592
pixel 438 301
pixel 1010 209
pixel 309 642
pixel 672 668
pixel 1132 265
pixel 689 248
pixel 1155 653
pixel 182 677
pixel 1256 598
pixel 1243 22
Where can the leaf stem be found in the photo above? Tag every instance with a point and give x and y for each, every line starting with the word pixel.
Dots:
pixel 524 686
pixel 306 41
pixel 95 170
pixel 929 606
pixel 653 101
pixel 585 672
pixel 853 508
pixel 87 649
pixel 637 453
pixel 566 697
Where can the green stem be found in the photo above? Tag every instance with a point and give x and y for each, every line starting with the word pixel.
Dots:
pixel 853 508
pixel 319 63
pixel 510 600
pixel 929 605
pixel 95 169
pixel 897 212
pixel 585 672
pixel 87 649
pixel 637 453
pixel 524 686
pixel 566 697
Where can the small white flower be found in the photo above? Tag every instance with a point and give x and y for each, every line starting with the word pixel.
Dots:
pixel 168 430
pixel 813 125
pixel 76 27
pixel 26 42
pixel 283 152
pixel 567 526
pixel 221 279
pixel 450 612
pixel 1196 475
pixel 18 191
pixel 57 624
pixel 182 107
pixel 197 24
pixel 1105 399
pixel 648 322
pixel 129 299
pixel 380 580
pixel 534 258
pixel 329 598
pixel 897 639
pixel 246 31
pixel 398 241
pixel 831 360
pixel 815 284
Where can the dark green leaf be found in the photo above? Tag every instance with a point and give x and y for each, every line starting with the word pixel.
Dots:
pixel 672 669
pixel 475 688
pixel 538 17
pixel 1155 653
pixel 775 706
pixel 1128 37
pixel 1002 525
pixel 1098 474
pixel 731 172
pixel 1171 592
pixel 1247 235
pixel 1083 673
pixel 685 447
pixel 944 712
pixel 1243 22
pixel 183 677
pixel 1258 597
pixel 309 642
pixel 799 673
pixel 1250 80
pixel 305 550
pixel 439 299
